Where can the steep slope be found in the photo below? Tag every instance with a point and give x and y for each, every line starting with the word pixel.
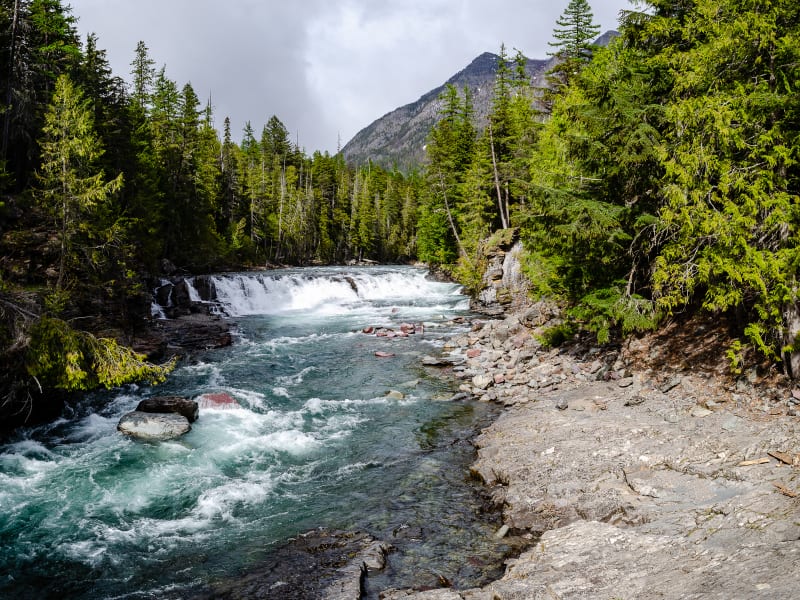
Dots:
pixel 398 138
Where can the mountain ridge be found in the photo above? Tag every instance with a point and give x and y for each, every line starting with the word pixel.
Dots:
pixel 397 139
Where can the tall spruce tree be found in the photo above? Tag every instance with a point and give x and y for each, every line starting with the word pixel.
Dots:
pixel 574 33
pixel 70 185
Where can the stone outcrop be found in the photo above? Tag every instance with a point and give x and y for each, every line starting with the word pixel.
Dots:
pixel 505 288
pixel 630 481
pixel 153 426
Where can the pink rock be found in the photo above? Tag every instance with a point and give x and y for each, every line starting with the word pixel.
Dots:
pixel 381 354
pixel 368 330
pixel 499 378
pixel 219 400
pixel 407 328
pixel 473 353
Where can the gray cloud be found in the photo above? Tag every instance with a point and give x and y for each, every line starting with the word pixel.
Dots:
pixel 326 69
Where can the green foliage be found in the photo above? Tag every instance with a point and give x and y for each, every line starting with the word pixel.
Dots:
pixel 728 222
pixel 735 357
pixel 71 188
pixel 63 358
pixel 556 335
pixel 607 309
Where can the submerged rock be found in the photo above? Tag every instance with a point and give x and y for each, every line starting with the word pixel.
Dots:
pixel 318 564
pixel 171 404
pixel 219 400
pixel 153 426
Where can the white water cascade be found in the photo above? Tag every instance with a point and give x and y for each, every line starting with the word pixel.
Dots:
pixel 327 291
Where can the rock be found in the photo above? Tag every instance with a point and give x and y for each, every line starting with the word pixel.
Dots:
pixel 732 423
pixel 381 354
pixel 473 353
pixel 408 328
pixel 499 378
pixel 482 382
pixel 153 426
pixel 171 404
pixel 167 268
pixel 562 404
pixel 218 401
pixel 459 396
pixel 670 384
pixel 197 331
pixel 368 330
pixel 395 395
pixel 432 361
pixel 626 382
pixel 636 400
pixel 700 412
pixel 502 532
pixel 319 564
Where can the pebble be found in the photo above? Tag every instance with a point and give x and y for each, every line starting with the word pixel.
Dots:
pixel 562 404
pixel 700 412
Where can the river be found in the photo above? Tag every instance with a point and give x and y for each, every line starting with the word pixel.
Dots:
pixel 314 441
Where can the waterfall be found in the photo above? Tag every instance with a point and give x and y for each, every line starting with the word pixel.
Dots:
pixel 332 290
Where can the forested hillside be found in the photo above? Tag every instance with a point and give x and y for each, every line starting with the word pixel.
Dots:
pixel 655 176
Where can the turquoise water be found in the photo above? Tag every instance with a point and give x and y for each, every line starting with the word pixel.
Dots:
pixel 314 441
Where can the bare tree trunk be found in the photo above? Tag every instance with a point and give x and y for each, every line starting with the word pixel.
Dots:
pixel 461 250
pixel 503 218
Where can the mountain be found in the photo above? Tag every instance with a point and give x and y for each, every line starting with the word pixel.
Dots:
pixel 398 138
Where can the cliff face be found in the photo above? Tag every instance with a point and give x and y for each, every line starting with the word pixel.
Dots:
pixel 398 138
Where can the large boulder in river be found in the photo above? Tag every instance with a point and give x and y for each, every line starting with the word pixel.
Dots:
pixel 153 426
pixel 171 404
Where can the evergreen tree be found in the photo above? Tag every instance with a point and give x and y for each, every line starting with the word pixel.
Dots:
pixel 40 44
pixel 574 35
pixel 143 72
pixel 71 187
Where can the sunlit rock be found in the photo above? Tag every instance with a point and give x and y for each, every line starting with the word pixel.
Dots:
pixel 153 426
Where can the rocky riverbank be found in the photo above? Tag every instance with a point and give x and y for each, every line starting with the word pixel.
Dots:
pixel 643 471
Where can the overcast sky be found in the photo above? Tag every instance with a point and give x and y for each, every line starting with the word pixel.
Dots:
pixel 326 68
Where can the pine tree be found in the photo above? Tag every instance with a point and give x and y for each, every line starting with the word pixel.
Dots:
pixel 70 186
pixel 143 72
pixel 574 35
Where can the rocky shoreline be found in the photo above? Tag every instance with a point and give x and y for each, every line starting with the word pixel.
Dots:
pixel 627 476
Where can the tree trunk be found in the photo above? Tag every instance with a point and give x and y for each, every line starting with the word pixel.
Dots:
pixel 503 218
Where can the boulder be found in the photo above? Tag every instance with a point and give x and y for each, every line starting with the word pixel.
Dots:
pixel 153 426
pixel 170 404
pixel 482 382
